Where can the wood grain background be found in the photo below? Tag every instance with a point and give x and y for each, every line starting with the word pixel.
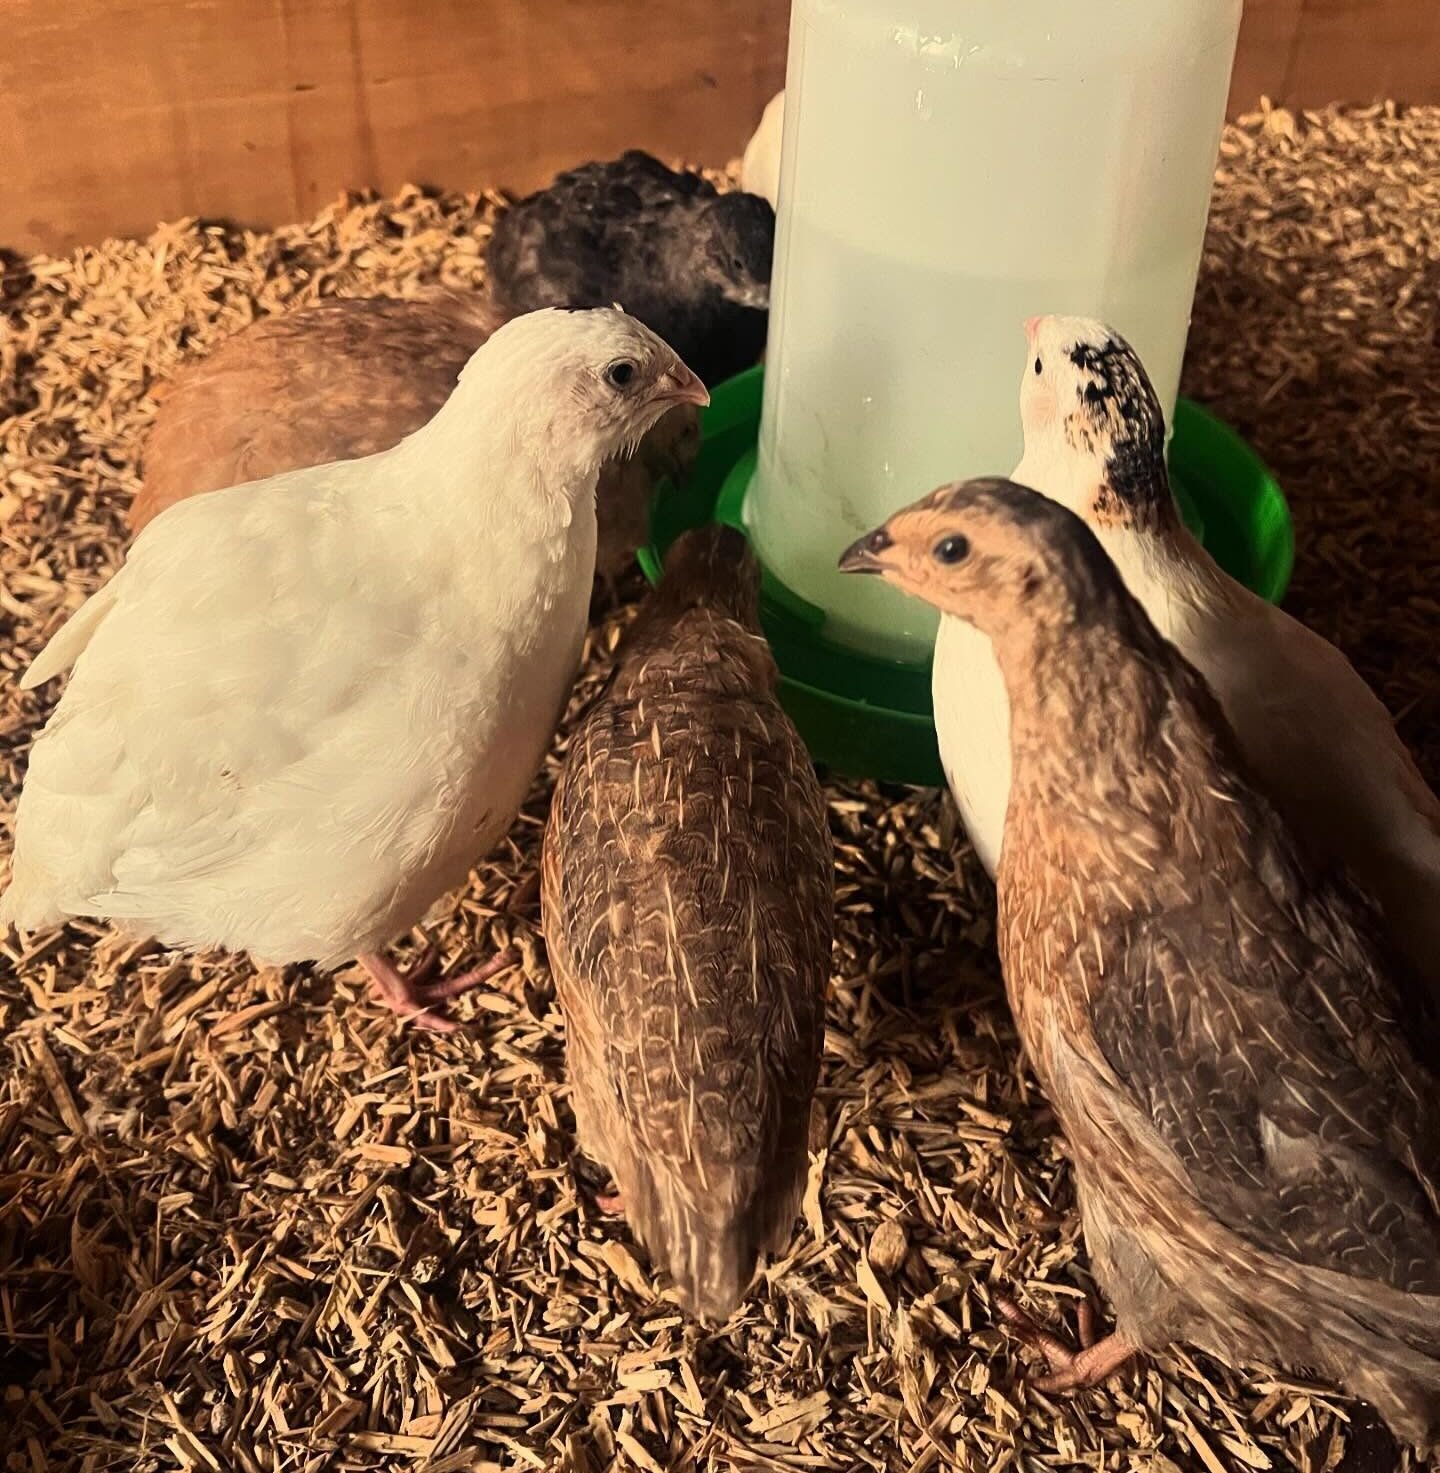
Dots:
pixel 115 114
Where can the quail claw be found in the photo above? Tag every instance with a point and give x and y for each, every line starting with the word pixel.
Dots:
pixel 1095 1362
pixel 443 990
pixel 412 995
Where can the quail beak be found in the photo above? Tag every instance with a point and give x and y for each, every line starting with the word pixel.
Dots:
pixel 1032 326
pixel 679 386
pixel 754 294
pixel 866 555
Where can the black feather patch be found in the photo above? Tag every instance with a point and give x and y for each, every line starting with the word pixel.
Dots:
pixel 1118 407
pixel 681 257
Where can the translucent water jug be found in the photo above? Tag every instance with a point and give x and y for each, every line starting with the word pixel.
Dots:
pixel 950 168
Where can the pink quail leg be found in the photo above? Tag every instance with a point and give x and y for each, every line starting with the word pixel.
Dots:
pixel 413 996
pixel 1094 1363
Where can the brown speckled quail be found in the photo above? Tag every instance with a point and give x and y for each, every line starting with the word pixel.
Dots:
pixel 350 377
pixel 688 902
pixel 1256 1148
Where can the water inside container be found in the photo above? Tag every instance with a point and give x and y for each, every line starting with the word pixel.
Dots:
pixel 943 179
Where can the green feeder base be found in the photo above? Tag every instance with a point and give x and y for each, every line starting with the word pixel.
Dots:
pixel 866 716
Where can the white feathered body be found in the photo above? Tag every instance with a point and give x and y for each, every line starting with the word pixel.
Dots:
pixel 301 711
pixel 972 726
pixel 1321 742
pixel 760 164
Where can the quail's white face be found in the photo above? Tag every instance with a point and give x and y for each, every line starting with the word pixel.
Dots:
pixel 1053 384
pixel 585 385
pixel 624 379
pixel 1094 430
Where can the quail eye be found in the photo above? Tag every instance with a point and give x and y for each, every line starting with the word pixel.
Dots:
pixel 1039 368
pixel 952 550
pixel 619 373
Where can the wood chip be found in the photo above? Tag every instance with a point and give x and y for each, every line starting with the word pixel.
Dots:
pixel 250 1221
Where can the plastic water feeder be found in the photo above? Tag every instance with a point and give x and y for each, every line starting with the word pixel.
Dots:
pixel 865 714
pixel 948 170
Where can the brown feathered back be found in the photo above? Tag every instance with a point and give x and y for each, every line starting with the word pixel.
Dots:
pixel 333 381
pixel 1256 1145
pixel 350 377
pixel 688 901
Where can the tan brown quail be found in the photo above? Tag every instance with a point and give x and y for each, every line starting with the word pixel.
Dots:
pixel 688 902
pixel 1256 1148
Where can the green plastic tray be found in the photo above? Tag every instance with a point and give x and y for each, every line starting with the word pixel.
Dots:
pixel 865 716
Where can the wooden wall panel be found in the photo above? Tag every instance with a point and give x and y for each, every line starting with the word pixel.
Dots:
pixel 115 114
pixel 1267 46
pixel 1391 48
pixel 1305 53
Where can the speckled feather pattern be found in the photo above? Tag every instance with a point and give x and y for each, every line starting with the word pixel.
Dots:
pixel 1116 414
pixel 1256 1148
pixel 688 900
